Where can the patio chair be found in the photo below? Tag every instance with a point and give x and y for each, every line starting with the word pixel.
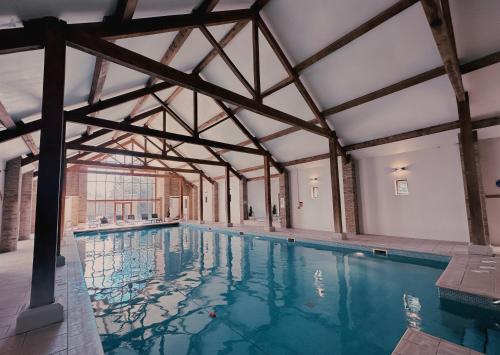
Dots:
pixel 145 218
pixel 130 219
pixel 155 218
pixel 92 222
pixel 119 220
pixel 104 220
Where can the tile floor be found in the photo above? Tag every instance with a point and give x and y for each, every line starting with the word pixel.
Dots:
pixel 415 342
pixel 77 334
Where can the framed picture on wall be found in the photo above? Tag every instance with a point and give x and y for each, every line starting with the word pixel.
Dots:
pixel 314 191
pixel 401 187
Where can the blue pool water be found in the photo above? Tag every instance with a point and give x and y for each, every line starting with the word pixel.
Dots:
pixel 153 290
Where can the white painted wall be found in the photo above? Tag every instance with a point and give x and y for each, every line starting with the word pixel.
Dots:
pixel 489 150
pixel 256 196
pixel 316 214
pixel 2 181
pixel 435 207
pixel 235 200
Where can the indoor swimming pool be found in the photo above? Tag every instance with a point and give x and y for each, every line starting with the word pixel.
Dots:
pixel 185 290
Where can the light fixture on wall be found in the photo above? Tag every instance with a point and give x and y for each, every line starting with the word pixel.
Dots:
pixel 314 187
pixel 400 169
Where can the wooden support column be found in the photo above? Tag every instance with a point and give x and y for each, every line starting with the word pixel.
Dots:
pixel 334 176
pixel 284 200
pixel 350 196
pixel 228 199
pixel 25 206
pixel 195 114
pixel 60 260
pixel 52 142
pixel 243 199
pixel 194 193
pixel 201 221
pixel 475 211
pixel 215 201
pixel 10 218
pixel 166 196
pixel 268 226
pixel 181 199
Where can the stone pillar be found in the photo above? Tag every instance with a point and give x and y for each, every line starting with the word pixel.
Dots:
pixel 166 196
pixel 284 200
pixel 25 216
pixel 12 191
pixel 33 204
pixel 334 176
pixel 350 197
pixel 484 218
pixel 82 195
pixel 215 201
pixel 243 199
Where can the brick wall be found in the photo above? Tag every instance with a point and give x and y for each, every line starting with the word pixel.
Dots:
pixel 10 219
pixel 243 199
pixel 33 204
pixel 25 216
pixel 350 197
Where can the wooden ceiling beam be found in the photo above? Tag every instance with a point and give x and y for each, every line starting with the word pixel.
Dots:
pixel 227 60
pixel 129 166
pixel 476 64
pixel 439 18
pixel 8 122
pixel 298 83
pixel 205 6
pixel 369 25
pixel 137 154
pixel 249 135
pixel 124 11
pixel 136 61
pixel 160 24
pixel 125 127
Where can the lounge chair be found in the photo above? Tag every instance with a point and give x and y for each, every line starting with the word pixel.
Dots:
pixel 92 222
pixel 145 218
pixel 155 218
pixel 104 220
pixel 130 219
pixel 119 220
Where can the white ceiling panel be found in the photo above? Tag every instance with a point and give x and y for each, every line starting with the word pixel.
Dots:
pixel 423 105
pixel 385 55
pixel 297 145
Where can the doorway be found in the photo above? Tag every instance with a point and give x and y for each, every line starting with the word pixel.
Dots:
pixel 122 209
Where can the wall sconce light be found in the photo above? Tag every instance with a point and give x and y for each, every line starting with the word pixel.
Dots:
pixel 400 169
pixel 313 180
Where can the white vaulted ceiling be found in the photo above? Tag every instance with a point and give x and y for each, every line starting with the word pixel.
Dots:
pixel 399 48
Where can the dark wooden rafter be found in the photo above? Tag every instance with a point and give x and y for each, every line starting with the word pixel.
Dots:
pixel 136 61
pixel 438 16
pixel 130 166
pixel 188 129
pixel 125 127
pixel 138 154
pixel 124 11
pixel 256 60
pixel 161 24
pixel 180 38
pixel 249 135
pixel 298 83
pixel 9 124
pixel 179 155
pixel 227 60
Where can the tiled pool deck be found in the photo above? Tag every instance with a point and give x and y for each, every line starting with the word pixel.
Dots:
pixel 415 342
pixel 78 333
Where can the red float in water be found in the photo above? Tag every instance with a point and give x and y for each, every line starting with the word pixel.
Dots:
pixel 212 315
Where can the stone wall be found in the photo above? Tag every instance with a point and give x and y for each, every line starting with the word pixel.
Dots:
pixel 25 216
pixel 350 197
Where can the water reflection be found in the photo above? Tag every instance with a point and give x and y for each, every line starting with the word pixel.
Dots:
pixel 152 291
